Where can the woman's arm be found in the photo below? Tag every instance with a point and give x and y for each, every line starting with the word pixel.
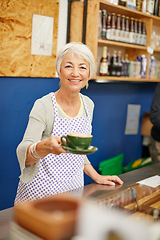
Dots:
pixel 109 180
pixel 39 129
pixel 43 148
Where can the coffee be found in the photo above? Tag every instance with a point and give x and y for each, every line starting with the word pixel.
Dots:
pixel 82 135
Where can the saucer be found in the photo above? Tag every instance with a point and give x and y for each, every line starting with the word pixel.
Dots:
pixel 87 151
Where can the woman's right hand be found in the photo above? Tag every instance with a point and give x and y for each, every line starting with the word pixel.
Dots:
pixel 45 147
pixel 50 145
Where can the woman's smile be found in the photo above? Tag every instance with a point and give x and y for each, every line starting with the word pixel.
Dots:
pixel 75 70
pixel 74 80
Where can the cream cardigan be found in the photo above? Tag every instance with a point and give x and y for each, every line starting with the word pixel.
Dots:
pixel 40 126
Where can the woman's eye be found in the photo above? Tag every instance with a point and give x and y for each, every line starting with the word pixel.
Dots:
pixel 68 66
pixel 83 67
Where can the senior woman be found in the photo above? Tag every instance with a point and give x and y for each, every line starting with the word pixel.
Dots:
pixel 46 168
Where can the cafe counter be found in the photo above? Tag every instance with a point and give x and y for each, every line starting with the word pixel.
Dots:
pixel 144 198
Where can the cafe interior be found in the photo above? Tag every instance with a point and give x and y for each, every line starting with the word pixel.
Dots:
pixel 121 126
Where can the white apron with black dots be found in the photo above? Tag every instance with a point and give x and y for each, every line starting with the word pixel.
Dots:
pixel 58 173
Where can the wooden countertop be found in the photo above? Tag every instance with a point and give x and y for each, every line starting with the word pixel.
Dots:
pixel 93 190
pixel 96 191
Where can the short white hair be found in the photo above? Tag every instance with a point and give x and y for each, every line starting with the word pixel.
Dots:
pixel 79 49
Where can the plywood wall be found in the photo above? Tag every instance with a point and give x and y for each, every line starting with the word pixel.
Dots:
pixel 15 38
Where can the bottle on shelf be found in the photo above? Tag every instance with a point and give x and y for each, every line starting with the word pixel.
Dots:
pixel 127 29
pixel 123 3
pixel 144 37
pixel 109 62
pixel 119 64
pixel 114 64
pixel 143 60
pixel 123 30
pixel 104 23
pixel 108 31
pixel 118 28
pixel 152 67
pixel 150 7
pixel 135 32
pixel 156 8
pixel 139 32
pixel 126 66
pixel 139 5
pixel 100 24
pixel 113 26
pixel 103 68
pixel 144 5
pixel 131 31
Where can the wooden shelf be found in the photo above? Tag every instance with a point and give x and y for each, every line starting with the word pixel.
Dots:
pixel 125 79
pixel 157 50
pixel 121 44
pixel 96 44
pixel 123 10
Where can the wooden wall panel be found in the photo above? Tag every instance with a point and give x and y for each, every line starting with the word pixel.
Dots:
pixel 15 38
pixel 76 24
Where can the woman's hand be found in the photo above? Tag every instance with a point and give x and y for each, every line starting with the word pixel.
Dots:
pixel 45 147
pixel 109 180
pixel 51 145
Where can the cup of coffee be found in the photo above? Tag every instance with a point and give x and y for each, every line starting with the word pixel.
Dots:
pixel 77 140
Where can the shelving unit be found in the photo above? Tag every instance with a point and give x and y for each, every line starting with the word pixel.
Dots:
pixel 95 44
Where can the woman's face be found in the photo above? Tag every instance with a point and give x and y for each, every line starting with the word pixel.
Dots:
pixel 74 72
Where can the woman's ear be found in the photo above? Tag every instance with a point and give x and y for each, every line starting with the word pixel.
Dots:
pixel 58 74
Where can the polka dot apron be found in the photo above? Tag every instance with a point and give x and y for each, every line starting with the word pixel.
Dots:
pixel 58 173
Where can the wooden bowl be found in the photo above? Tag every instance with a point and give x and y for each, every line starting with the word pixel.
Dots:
pixel 51 218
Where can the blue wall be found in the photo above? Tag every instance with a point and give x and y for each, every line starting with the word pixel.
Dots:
pixel 17 96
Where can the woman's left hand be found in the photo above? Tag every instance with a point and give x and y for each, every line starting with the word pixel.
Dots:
pixel 109 180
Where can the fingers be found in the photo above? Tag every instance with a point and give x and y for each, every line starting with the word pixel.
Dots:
pixel 110 183
pixel 54 144
pixel 115 179
pixel 109 180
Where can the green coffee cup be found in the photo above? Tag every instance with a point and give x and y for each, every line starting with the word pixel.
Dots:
pixel 77 140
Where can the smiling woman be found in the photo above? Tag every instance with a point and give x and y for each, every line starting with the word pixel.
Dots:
pixel 74 72
pixel 46 167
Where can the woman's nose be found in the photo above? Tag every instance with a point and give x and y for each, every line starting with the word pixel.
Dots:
pixel 75 72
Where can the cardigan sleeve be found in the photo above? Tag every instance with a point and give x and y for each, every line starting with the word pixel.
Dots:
pixel 38 128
